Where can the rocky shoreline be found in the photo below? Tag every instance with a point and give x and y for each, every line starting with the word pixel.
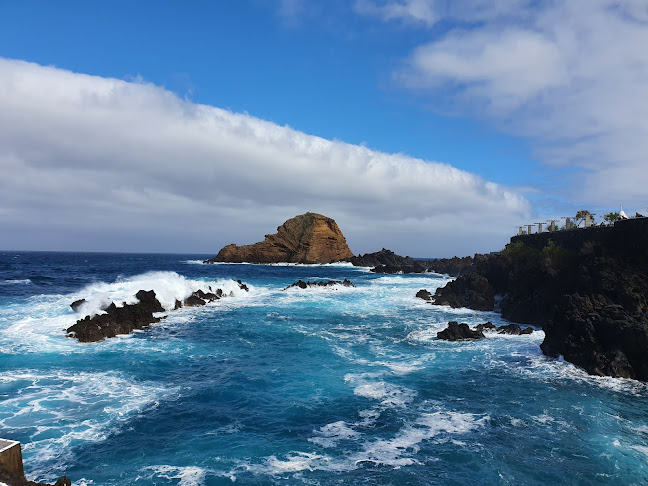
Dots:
pixel 386 261
pixel 588 292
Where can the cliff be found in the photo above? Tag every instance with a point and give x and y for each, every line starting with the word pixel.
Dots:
pixel 587 289
pixel 307 238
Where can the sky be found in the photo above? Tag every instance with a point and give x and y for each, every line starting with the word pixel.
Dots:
pixel 430 127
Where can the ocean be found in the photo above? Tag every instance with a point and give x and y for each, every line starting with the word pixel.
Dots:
pixel 315 386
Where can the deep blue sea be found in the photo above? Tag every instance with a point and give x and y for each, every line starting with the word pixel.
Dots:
pixel 316 387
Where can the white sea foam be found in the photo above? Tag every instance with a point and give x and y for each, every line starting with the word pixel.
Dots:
pixel 389 395
pixel 540 367
pixel 168 287
pixel 195 262
pixel 187 475
pixel 62 410
pixel 48 316
pixel 330 434
pixel 23 281
pixel 394 452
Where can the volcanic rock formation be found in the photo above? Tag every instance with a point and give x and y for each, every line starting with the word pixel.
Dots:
pixel 588 289
pixel 307 238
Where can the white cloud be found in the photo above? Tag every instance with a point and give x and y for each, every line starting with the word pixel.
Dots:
pixel 410 11
pixel 571 76
pixel 96 163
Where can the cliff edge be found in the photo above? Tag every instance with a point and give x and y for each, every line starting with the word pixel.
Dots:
pixel 588 289
pixel 307 238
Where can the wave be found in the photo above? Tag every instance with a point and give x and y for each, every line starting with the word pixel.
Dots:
pixel 187 475
pixel 59 410
pixel 168 287
pixel 24 281
pixel 32 327
pixel 396 452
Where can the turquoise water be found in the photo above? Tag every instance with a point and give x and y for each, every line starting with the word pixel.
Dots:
pixel 317 387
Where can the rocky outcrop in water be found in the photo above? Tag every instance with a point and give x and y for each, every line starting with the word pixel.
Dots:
pixel 331 283
pixel 127 318
pixel 424 294
pixel 473 291
pixel 118 320
pixel 10 479
pixel 589 292
pixel 458 332
pixel 307 238
pixel 386 261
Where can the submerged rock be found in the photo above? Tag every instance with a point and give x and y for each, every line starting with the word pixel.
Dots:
pixel 307 238
pixel 457 332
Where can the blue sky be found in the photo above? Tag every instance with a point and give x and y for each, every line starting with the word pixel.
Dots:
pixel 538 98
pixel 327 72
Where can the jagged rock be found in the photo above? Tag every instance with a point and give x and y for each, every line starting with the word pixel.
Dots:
pixel 208 296
pixel 588 289
pixel 178 305
pixel 194 301
pixel 331 283
pixel 242 286
pixel 424 294
pixel 513 329
pixel 487 326
pixel 118 320
pixel 307 238
pixel 453 267
pixel 382 257
pixel 456 332
pixel 10 479
pixel 386 261
pixel 76 304
pixel 473 291
pixel 599 335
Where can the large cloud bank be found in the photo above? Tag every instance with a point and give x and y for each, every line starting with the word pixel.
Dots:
pixel 104 164
pixel 572 76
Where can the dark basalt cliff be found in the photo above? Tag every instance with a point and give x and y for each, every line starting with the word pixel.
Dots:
pixel 307 238
pixel 588 289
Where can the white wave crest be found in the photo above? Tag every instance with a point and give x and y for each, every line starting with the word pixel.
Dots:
pixel 388 394
pixel 187 475
pixel 24 281
pixel 62 410
pixel 395 452
pixel 168 287
pixel 330 434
